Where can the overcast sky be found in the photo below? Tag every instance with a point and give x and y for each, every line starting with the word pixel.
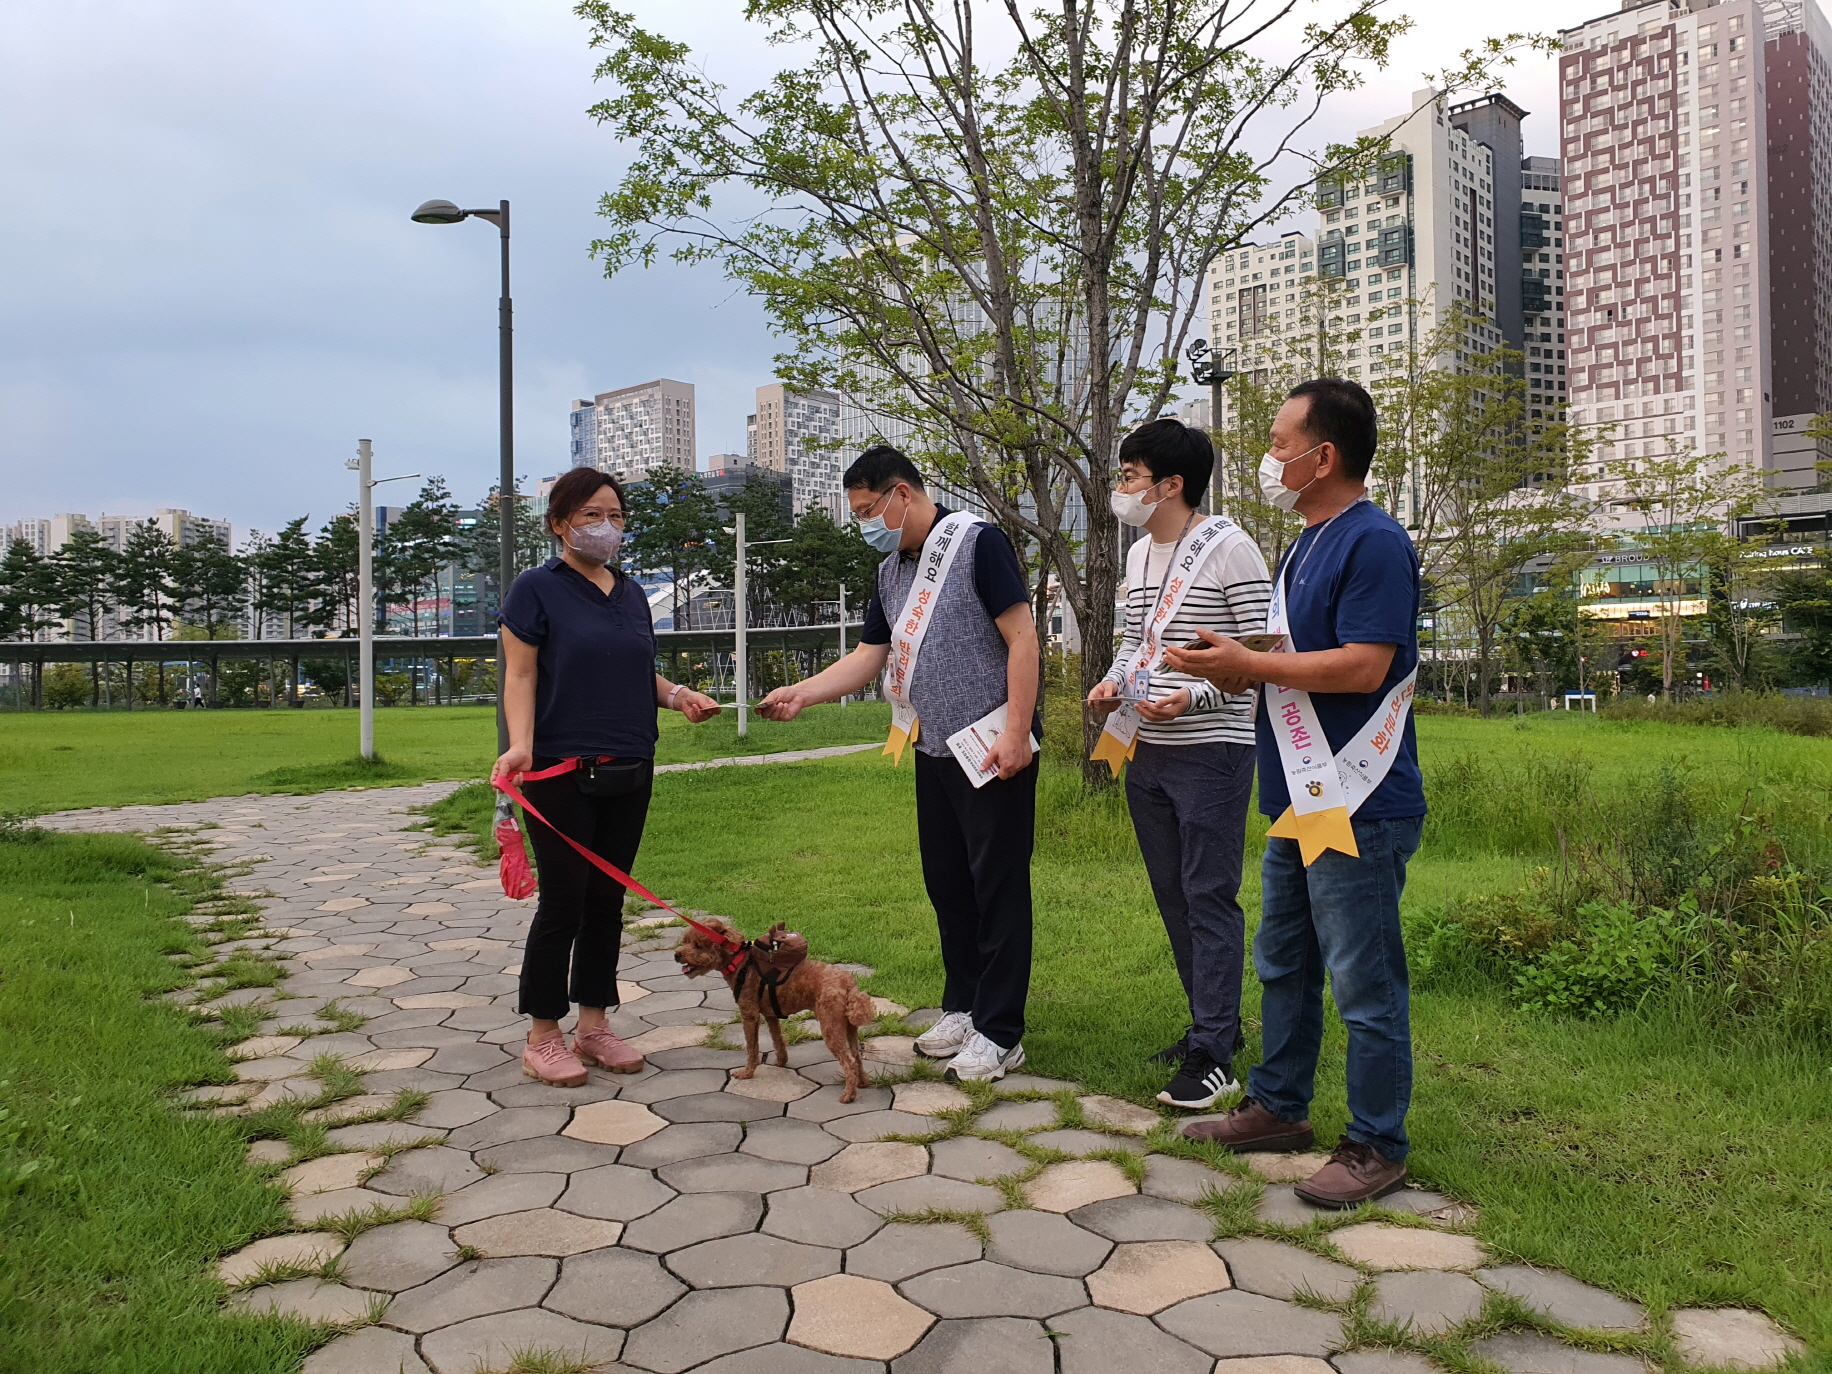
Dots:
pixel 212 288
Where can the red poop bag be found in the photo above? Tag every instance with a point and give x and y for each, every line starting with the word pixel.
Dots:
pixel 517 877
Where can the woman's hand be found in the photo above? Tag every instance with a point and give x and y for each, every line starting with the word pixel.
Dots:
pixel 513 762
pixel 697 706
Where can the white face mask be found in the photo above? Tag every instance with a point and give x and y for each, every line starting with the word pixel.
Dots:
pixel 1272 480
pixel 1131 508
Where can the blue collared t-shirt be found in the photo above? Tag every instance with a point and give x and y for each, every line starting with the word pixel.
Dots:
pixel 594 691
pixel 1352 580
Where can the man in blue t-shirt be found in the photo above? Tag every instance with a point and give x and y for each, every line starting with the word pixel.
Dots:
pixel 1350 585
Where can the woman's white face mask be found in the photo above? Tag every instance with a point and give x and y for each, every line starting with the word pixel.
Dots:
pixel 1272 480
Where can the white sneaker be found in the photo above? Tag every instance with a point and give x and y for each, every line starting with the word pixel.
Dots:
pixel 946 1036
pixel 981 1061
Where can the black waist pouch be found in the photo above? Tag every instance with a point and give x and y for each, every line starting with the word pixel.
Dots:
pixel 614 777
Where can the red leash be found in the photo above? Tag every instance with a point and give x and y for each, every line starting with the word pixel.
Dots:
pixel 603 865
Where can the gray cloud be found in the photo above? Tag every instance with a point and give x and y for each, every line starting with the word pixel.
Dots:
pixel 214 288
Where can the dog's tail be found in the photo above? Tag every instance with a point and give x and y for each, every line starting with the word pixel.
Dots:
pixel 859 1010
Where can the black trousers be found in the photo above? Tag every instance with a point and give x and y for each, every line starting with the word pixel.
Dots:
pixel 976 860
pixel 1189 807
pixel 578 921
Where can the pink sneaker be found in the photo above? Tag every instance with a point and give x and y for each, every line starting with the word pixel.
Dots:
pixel 550 1061
pixel 602 1048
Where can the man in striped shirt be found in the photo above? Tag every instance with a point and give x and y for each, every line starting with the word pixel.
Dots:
pixel 1192 772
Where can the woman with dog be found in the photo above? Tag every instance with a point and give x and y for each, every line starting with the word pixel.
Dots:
pixel 581 695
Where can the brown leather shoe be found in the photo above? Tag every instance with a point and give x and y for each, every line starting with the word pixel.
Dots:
pixel 1250 1128
pixel 1355 1174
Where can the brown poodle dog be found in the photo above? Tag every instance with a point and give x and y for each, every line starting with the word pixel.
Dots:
pixel 830 993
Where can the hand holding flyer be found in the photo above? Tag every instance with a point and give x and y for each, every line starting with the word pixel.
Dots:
pixel 973 744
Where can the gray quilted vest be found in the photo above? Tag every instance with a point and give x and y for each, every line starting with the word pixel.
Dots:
pixel 960 673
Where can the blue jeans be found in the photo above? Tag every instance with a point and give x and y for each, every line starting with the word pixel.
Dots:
pixel 1340 916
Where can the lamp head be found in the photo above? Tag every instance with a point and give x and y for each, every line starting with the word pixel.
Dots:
pixel 438 212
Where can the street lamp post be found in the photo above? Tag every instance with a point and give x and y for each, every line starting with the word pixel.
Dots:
pixel 445 212
pixel 1211 370
pixel 365 593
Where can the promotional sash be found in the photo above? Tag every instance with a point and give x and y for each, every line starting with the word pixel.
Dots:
pixel 912 626
pixel 1119 736
pixel 1326 789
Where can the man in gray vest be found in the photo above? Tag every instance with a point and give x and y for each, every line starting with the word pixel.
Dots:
pixel 950 619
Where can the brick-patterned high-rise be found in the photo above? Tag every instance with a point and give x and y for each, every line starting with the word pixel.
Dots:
pixel 1698 209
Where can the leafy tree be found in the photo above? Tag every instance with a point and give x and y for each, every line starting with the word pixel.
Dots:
pixel 211 586
pixel 766 519
pixel 1683 499
pixel 821 556
pixel 997 239
pixel 144 585
pixel 673 525
pixel 1804 599
pixel 1739 615
pixel 1540 633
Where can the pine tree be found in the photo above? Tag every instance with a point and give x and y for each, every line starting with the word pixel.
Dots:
pixel 143 585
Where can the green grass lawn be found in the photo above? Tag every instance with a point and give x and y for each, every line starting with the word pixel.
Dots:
pixel 1677 1163
pixel 1680 1164
pixel 52 761
pixel 112 1205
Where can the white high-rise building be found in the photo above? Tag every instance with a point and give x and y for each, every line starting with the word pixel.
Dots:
pixel 1422 228
pixel 798 433
pixel 1257 299
pixel 1697 141
pixel 628 431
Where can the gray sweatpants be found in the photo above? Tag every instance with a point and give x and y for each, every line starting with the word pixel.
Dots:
pixel 1189 807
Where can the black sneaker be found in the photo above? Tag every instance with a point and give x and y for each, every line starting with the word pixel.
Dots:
pixel 1173 1054
pixel 1199 1084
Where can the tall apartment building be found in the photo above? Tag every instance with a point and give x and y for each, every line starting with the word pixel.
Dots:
pixel 1495 120
pixel 1697 141
pixel 1542 272
pixel 1257 301
pixel 628 431
pixel 1426 227
pixel 798 433
pixel 46 537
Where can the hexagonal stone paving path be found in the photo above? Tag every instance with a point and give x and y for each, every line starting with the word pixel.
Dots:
pixel 676 1220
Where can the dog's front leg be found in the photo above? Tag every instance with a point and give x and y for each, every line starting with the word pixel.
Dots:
pixel 782 1046
pixel 751 1054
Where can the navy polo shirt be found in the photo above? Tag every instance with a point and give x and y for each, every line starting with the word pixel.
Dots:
pixel 1352 580
pixel 594 687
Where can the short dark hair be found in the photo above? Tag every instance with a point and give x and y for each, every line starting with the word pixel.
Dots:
pixel 574 489
pixel 880 468
pixel 1341 413
pixel 1169 448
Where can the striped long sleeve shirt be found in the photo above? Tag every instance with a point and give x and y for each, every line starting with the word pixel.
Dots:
pixel 1230 597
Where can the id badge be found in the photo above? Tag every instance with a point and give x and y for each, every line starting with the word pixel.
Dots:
pixel 1138 685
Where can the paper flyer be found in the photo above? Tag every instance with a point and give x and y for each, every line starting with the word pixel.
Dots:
pixel 972 744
